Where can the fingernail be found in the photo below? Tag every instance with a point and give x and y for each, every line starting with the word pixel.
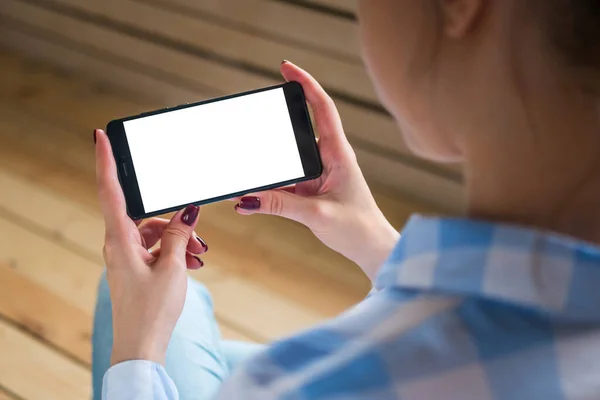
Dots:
pixel 284 62
pixel 190 214
pixel 202 242
pixel 95 135
pixel 200 261
pixel 249 203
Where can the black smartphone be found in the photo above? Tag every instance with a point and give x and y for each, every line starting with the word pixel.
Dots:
pixel 215 149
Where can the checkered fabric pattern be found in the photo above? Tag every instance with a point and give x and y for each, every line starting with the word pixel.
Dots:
pixel 462 310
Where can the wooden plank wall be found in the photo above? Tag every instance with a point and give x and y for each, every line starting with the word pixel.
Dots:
pixel 185 50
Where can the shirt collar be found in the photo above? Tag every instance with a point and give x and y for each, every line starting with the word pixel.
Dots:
pixel 525 267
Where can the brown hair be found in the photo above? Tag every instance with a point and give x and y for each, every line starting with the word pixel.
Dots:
pixel 574 29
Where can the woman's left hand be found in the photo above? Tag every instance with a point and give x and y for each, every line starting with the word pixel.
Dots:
pixel 147 290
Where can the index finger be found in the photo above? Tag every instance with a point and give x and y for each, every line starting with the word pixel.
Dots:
pixel 110 194
pixel 327 118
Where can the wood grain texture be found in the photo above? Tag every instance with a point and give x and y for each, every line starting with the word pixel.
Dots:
pixel 279 21
pixel 69 276
pixel 33 308
pixel 231 45
pixel 33 371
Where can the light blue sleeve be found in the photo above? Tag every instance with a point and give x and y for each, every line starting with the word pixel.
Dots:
pixel 138 380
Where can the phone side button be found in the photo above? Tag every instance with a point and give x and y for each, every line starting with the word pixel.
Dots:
pixel 124 168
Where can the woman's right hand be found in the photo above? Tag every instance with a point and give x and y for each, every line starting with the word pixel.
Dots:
pixel 338 207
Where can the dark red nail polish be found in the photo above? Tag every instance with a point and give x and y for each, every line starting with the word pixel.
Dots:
pixel 249 203
pixel 200 261
pixel 95 136
pixel 202 242
pixel 190 214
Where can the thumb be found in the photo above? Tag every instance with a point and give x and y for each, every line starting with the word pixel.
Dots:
pixel 177 233
pixel 279 202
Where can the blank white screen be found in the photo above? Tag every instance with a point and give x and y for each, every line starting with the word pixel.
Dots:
pixel 215 149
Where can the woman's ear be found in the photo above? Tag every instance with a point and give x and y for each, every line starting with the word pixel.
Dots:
pixel 459 17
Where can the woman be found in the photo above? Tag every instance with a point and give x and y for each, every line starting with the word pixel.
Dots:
pixel 501 304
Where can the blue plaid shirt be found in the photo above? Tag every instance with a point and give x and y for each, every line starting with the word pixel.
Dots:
pixel 462 310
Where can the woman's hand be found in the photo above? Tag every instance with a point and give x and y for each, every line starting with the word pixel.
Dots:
pixel 147 290
pixel 338 207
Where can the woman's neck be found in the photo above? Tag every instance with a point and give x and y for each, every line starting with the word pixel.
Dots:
pixel 541 167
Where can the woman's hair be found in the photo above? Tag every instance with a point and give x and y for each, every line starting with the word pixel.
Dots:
pixel 574 30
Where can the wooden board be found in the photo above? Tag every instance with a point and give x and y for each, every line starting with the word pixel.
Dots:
pixel 282 22
pixel 34 309
pixel 67 275
pixel 231 46
pixel 33 371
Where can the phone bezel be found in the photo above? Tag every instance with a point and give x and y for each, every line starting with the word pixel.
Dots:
pixel 303 131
